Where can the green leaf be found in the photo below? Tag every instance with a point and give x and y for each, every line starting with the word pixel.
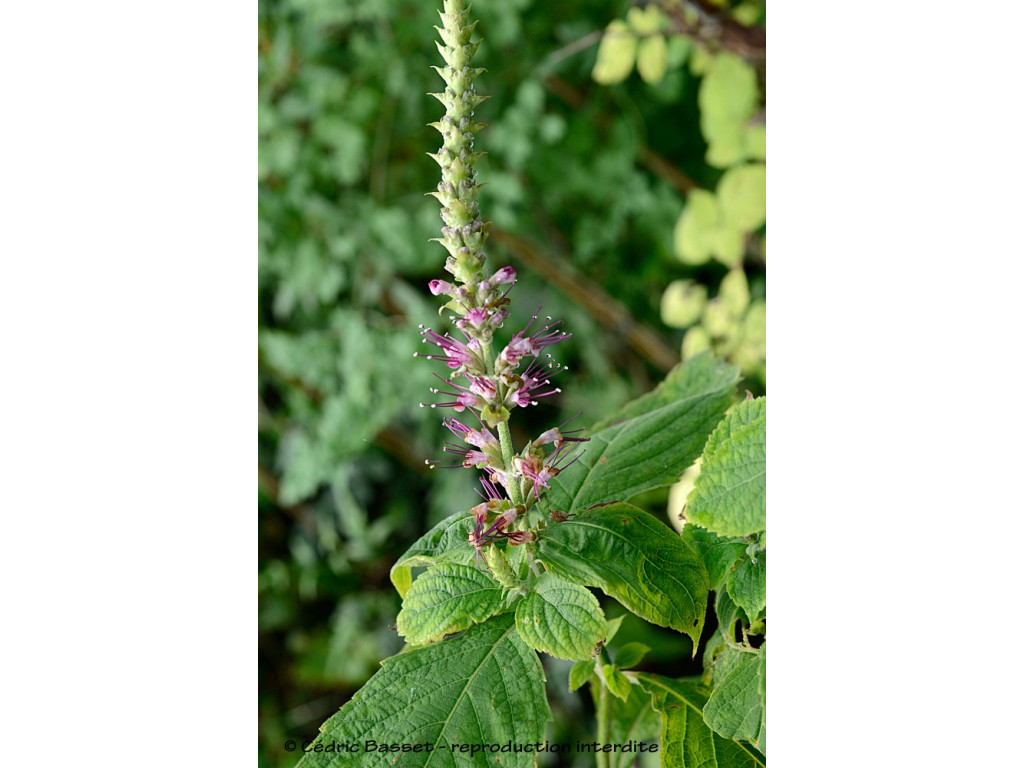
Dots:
pixel 686 740
pixel 615 55
pixel 727 95
pixel 652 58
pixel 718 553
pixel 631 719
pixel 735 708
pixel 580 673
pixel 634 558
pixel 613 627
pixel 695 341
pixel 682 303
pixel 644 21
pixel 727 245
pixel 482 687
pixel 747 585
pixel 729 497
pixel 617 682
pixel 447 599
pixel 696 227
pixel 631 654
pixel 734 292
pixel 742 197
pixel 561 618
pixel 651 440
pixel 446 540
pixel 755 141
pixel 728 613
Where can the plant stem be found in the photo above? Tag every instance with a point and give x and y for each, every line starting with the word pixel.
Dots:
pixel 504 437
pixel 603 723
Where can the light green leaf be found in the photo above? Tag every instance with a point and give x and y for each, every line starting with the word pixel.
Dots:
pixel 617 682
pixel 728 146
pixel 483 687
pixel 446 599
pixel 652 58
pixel 756 141
pixel 734 293
pixel 615 55
pixel 696 226
pixel 727 95
pixel 651 440
pixel 695 341
pixel 561 618
pixel 718 553
pixel 686 741
pixel 727 245
pixel 682 303
pixel 634 558
pixel 580 673
pixel 447 540
pixel 735 708
pixel 631 654
pixel 747 585
pixel 729 497
pixel 742 197
pixel 644 21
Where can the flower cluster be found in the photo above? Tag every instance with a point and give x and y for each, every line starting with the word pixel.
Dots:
pixel 480 383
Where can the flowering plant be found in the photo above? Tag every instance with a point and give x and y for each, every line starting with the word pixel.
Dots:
pixel 507 578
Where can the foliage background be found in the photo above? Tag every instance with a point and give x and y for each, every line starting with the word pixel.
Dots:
pixel 587 183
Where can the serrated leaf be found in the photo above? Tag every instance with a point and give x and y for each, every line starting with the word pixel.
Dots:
pixel 446 540
pixel 652 58
pixel 695 228
pixel 729 497
pixel 615 54
pixel 561 618
pixel 747 585
pixel 580 673
pixel 447 599
pixel 735 707
pixel 483 687
pixel 634 558
pixel 618 684
pixel 651 440
pixel 686 740
pixel 718 553
pixel 631 654
pixel 742 197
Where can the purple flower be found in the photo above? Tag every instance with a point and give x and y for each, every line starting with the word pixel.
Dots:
pixel 456 354
pixel 437 287
pixel 523 345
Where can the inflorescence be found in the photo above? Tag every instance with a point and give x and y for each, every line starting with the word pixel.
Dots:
pixel 479 383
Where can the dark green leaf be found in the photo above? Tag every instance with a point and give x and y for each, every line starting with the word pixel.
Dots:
pixel 747 584
pixel 634 558
pixel 718 553
pixel 686 740
pixel 447 599
pixel 735 708
pixel 651 440
pixel 482 687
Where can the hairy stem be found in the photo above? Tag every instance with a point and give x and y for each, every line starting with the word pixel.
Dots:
pixel 604 713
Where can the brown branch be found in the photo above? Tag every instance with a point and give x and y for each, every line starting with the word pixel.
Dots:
pixel 608 312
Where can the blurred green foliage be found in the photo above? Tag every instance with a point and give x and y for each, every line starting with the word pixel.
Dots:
pixel 588 184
